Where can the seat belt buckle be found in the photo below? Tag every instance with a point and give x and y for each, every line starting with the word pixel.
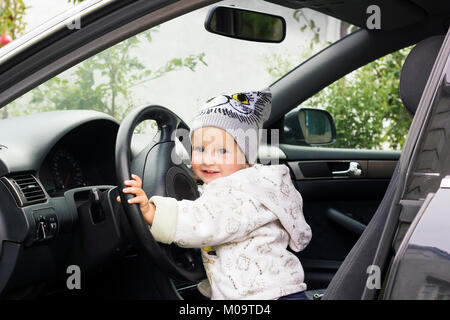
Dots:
pixel 317 296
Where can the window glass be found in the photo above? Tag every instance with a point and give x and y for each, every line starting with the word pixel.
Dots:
pixel 366 107
pixel 180 65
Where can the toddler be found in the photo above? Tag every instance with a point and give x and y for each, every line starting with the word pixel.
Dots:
pixel 247 213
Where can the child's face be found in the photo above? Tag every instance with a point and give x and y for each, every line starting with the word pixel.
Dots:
pixel 215 154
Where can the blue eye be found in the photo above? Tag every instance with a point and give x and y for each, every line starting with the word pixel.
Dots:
pixel 222 151
pixel 198 149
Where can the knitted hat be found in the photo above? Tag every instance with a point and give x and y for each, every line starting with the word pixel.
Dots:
pixel 240 114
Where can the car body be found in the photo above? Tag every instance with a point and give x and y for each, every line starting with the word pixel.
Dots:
pixel 68 225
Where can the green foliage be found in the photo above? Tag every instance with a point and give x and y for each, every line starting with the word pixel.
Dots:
pixel 277 65
pixel 366 105
pixel 306 23
pixel 104 82
pixel 12 13
pixel 11 17
pixel 11 23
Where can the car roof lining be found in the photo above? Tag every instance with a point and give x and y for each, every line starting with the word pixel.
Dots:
pixel 394 14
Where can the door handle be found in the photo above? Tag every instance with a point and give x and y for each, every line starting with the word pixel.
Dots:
pixel 353 170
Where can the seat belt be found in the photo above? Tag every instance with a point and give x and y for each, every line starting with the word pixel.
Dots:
pixel 407 215
pixel 410 209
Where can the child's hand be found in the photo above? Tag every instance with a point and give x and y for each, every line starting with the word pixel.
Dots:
pixel 135 187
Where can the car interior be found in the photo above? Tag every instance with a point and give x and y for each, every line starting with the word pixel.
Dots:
pixel 61 172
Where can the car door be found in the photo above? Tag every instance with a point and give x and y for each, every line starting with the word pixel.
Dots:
pixel 341 187
pixel 336 206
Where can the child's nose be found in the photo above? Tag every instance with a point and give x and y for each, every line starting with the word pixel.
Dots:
pixel 208 158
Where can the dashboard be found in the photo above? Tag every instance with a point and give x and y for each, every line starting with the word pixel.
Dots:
pixel 49 165
pixel 58 203
pixel 57 197
pixel 83 157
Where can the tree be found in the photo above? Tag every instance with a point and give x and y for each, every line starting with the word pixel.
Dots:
pixel 12 13
pixel 103 82
pixel 11 17
pixel 11 24
pixel 365 104
pixel 307 23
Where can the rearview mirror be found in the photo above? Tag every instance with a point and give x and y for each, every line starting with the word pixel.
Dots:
pixel 309 126
pixel 245 24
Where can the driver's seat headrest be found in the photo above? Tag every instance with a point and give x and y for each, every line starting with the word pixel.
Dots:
pixel 416 70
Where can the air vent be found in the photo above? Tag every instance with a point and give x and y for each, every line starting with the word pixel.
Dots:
pixel 26 189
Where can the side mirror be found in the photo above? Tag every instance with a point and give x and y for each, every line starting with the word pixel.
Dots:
pixel 308 126
pixel 245 24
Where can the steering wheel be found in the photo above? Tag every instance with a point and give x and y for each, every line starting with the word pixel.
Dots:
pixel 160 176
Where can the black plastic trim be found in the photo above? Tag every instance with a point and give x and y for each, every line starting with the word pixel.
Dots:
pixel 345 221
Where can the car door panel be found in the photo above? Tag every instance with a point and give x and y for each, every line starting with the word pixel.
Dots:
pixel 336 205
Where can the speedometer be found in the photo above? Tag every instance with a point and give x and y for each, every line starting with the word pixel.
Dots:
pixel 66 171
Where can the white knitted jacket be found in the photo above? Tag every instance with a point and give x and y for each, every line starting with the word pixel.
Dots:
pixel 244 223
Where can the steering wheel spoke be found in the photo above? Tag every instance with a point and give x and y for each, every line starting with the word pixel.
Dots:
pixel 162 174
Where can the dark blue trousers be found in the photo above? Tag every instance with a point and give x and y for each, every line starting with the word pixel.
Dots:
pixel 295 296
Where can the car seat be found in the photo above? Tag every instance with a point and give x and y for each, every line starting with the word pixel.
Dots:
pixel 349 282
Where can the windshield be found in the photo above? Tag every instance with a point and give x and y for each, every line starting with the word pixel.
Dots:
pixel 180 65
